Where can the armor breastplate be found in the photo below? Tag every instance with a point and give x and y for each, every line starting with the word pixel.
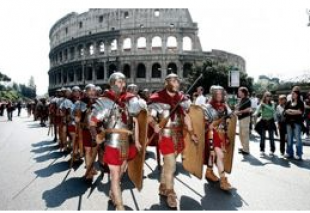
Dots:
pixel 115 120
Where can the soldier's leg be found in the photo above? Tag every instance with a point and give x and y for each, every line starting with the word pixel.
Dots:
pixel 162 186
pixel 94 153
pixel 81 146
pixel 74 146
pixel 64 137
pixel 169 170
pixel 224 184
pixel 210 176
pixel 88 158
pixel 115 191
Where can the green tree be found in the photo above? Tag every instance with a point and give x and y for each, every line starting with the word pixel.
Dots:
pixel 217 74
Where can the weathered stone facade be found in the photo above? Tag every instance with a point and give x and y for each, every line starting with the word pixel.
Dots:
pixel 145 44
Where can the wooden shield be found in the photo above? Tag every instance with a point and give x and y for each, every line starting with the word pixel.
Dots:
pixel 193 157
pixel 231 133
pixel 135 166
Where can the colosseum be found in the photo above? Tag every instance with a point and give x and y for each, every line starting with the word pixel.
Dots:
pixel 144 44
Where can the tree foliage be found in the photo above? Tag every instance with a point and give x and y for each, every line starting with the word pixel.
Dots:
pixel 217 74
pixel 4 77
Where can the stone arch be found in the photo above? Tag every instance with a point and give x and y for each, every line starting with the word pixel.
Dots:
pixel 113 45
pixel 100 72
pixel 187 67
pixel 60 56
pixel 70 75
pixel 101 47
pixel 156 43
pixel 126 70
pixel 89 73
pixel 141 43
pixel 72 52
pixel 59 77
pixel 156 70
pixel 112 69
pixel 66 54
pixel 64 76
pixel 127 45
pixel 172 42
pixel 187 43
pixel 172 68
pixel 81 50
pixel 141 71
pixel 90 49
pixel 79 76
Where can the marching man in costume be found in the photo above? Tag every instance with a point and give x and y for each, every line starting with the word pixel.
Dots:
pixel 82 113
pixel 115 118
pixel 73 127
pixel 168 116
pixel 217 113
pixel 66 119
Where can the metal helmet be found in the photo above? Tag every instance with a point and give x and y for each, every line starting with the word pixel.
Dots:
pixel 133 88
pixel 215 88
pixel 76 89
pixel 115 76
pixel 168 85
pixel 90 87
pixel 172 75
pixel 68 90
pixel 98 89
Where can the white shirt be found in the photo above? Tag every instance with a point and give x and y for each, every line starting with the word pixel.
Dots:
pixel 201 99
pixel 254 102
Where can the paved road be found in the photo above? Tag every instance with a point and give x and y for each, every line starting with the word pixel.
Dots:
pixel 34 176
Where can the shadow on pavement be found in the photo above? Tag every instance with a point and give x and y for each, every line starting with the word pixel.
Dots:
pixel 162 206
pixel 52 169
pixel 50 156
pixel 34 125
pixel 73 187
pixel 252 160
pixel 42 143
pixel 305 164
pixel 43 149
pixel 226 200
pixel 188 203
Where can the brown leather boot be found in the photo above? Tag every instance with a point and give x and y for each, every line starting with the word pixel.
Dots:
pixel 171 198
pixel 224 184
pixel 162 189
pixel 210 176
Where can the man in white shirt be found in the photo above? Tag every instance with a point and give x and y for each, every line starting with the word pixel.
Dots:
pixel 201 99
pixel 254 105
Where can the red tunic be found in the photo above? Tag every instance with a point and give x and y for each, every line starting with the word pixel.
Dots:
pixel 167 145
pixel 112 155
pixel 217 140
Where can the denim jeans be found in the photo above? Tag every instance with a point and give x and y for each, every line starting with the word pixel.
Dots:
pixel 307 126
pixel 294 130
pixel 10 115
pixel 271 139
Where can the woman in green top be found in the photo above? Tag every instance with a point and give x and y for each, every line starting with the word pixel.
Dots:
pixel 267 111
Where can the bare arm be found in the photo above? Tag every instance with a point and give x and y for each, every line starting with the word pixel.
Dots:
pixel 137 142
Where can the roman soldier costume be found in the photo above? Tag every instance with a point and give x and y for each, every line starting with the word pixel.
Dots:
pixel 66 119
pixel 83 109
pixel 168 114
pixel 219 136
pixel 114 117
pixel 74 127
